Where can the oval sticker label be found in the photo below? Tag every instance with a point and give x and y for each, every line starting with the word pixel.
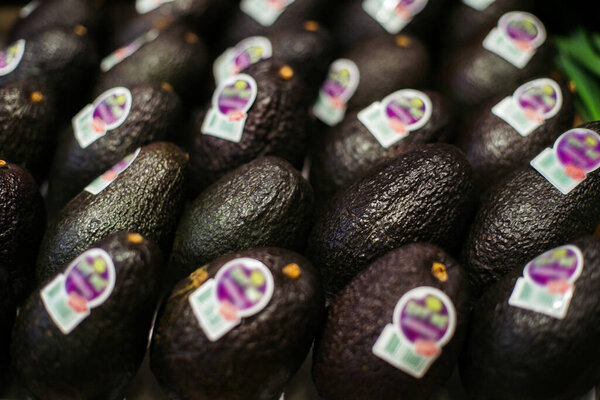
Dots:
pixel 336 91
pixel 11 57
pixel 246 53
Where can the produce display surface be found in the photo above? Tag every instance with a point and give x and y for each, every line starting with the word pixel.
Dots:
pixel 299 199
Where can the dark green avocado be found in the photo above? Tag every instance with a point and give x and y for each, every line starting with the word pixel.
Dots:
pixel 349 149
pixel 155 115
pixel 101 355
pixel 530 355
pixel 27 125
pixel 473 74
pixel 421 195
pixel 38 16
pixel 63 59
pixel 344 365
pixel 22 222
pixel 276 124
pixel 265 203
pixel 177 56
pixel 147 197
pixel 7 317
pixel 257 357
pixel 524 215
pixel 494 148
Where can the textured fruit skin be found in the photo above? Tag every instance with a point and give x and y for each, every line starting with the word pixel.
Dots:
pixel 155 115
pixel 422 195
pixel 494 148
pixel 242 25
pixel 344 366
pixel 148 198
pixel 59 13
pixel 61 60
pixel 276 125
pixel 352 24
pixel 349 149
pixel 266 348
pixel 27 127
pixel 102 354
pixel 265 203
pixel 22 222
pixel 388 63
pixel 523 216
pixel 177 56
pixel 7 317
pixel 530 355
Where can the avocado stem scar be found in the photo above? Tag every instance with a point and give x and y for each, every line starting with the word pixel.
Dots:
pixel 439 271
pixel 311 26
pixel 191 37
pixel 166 87
pixel 80 30
pixel 198 277
pixel 135 238
pixel 292 270
pixel 286 72
pixel 3 164
pixel 402 41
pixel 36 97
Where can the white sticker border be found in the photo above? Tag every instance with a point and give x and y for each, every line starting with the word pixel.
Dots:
pixel 90 188
pixel 145 6
pixel 21 43
pixel 540 82
pixel 576 274
pixel 509 16
pixel 229 81
pixel 414 93
pixel 229 55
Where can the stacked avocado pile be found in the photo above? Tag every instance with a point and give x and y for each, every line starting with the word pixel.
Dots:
pixel 222 186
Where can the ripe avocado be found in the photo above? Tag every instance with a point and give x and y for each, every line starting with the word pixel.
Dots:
pixel 155 115
pixel 474 74
pixel 421 195
pixel 494 148
pixel 276 124
pixel 349 149
pixel 352 24
pixel 147 197
pixel 524 215
pixel 63 59
pixel 7 317
pixel 22 222
pixel 257 357
pixel 265 203
pixel 344 365
pixel 27 125
pixel 99 356
pixel 530 355
pixel 177 56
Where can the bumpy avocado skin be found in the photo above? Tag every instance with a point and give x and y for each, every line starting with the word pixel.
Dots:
pixel 530 355
pixel 255 359
pixel 177 56
pixel 148 197
pixel 265 203
pixel 63 59
pixel 344 366
pixel 349 149
pixel 473 74
pixel 523 216
pixel 422 195
pixel 101 355
pixel 27 126
pixel 22 222
pixel 276 125
pixel 387 63
pixel 156 114
pixel 494 148
pixel 7 317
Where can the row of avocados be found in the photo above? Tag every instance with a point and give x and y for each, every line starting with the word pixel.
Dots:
pixel 203 244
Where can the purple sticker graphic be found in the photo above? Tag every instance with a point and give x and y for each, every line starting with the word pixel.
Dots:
pixel 89 278
pixel 424 318
pixel 406 109
pixel 579 148
pixel 337 82
pixel 560 264
pixel 248 56
pixel 112 108
pixel 524 29
pixel 11 57
pixel 237 96
pixel 539 98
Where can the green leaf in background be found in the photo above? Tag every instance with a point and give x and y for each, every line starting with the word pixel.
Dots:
pixel 579 47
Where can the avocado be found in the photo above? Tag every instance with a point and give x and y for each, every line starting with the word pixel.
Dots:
pixel 465 21
pixel 259 352
pixel 22 222
pixel 474 74
pixel 7 317
pixel 345 365
pixel 274 123
pixel 531 355
pixel 495 148
pixel 524 215
pixel 38 16
pixel 144 113
pixel 27 125
pixel 265 203
pixel 263 17
pixel 60 58
pixel 421 195
pixel 350 149
pixel 352 24
pixel 82 334
pixel 175 55
pixel 145 194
